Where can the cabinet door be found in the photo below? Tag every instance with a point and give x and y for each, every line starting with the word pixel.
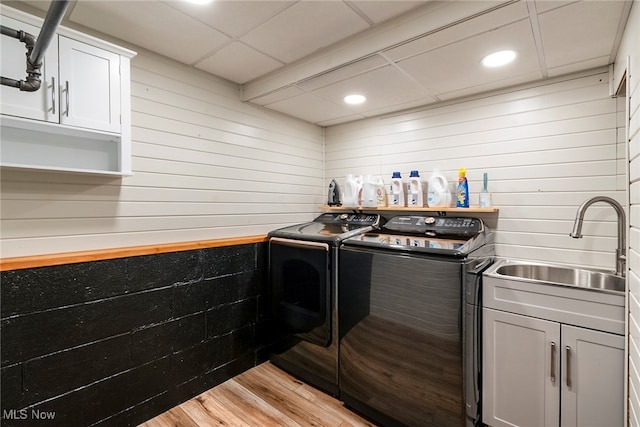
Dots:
pixel 41 104
pixel 89 86
pixel 521 370
pixel 592 379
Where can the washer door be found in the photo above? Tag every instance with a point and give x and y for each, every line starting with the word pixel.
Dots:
pixel 300 289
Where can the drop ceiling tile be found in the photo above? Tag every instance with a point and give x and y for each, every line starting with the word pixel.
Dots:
pixel 451 34
pixel 343 119
pixel 383 87
pixel 38 4
pixel 379 11
pixel 279 95
pixel 343 73
pixel 146 24
pixel 304 28
pixel 546 5
pixel 579 66
pixel 493 85
pixel 233 18
pixel 425 100
pixel 239 63
pixel 311 108
pixel 566 39
pixel 457 66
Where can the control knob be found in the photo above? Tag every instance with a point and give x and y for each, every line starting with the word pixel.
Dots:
pixel 429 220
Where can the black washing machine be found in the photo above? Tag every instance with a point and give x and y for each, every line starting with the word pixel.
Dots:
pixel 303 282
pixel 409 353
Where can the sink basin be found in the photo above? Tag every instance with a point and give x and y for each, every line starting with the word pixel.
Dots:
pixel 570 276
pixel 583 297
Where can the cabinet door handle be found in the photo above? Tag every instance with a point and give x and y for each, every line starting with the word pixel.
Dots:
pixel 53 95
pixel 568 354
pixel 553 362
pixel 66 89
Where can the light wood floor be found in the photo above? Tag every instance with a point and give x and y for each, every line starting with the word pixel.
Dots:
pixel 261 397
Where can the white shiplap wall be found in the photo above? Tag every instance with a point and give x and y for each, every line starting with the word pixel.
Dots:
pixel 633 258
pixel 628 60
pixel 205 166
pixel 546 147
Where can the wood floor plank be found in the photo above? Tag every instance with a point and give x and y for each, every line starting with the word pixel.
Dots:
pixel 321 408
pixel 211 412
pixel 251 408
pixel 264 396
pixel 301 411
pixel 172 418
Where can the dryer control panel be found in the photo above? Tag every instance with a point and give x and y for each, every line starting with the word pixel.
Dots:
pixel 349 218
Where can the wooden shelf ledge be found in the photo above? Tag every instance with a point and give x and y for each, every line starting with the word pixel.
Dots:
pixel 34 261
pixel 472 209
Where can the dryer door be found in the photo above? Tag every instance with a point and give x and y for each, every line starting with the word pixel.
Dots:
pixel 300 289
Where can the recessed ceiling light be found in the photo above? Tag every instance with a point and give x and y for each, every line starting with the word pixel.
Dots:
pixel 497 59
pixel 354 99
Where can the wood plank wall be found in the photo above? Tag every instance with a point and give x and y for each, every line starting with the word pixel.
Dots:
pixel 630 48
pixel 546 147
pixel 206 166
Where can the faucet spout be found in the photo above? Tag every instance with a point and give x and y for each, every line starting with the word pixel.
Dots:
pixel 621 258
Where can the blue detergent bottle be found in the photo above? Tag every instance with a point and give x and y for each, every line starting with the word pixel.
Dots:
pixel 462 192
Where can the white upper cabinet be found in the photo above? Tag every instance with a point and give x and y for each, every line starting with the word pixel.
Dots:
pixel 89 86
pixel 79 120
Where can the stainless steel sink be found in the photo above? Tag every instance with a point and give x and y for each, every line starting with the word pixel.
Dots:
pixel 569 276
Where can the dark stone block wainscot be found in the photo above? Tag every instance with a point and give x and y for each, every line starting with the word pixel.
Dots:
pixel 119 341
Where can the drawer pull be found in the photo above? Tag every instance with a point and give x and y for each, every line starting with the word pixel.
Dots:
pixel 568 354
pixel 53 95
pixel 66 86
pixel 553 362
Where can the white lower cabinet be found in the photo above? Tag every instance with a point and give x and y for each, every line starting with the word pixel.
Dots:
pixel 592 392
pixel 544 373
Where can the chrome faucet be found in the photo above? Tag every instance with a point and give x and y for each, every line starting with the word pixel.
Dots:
pixel 621 258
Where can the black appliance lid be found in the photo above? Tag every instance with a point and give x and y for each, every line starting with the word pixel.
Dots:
pixel 418 233
pixel 330 227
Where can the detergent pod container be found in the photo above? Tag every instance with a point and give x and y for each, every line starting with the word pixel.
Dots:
pixel 381 193
pixel 351 190
pixel 397 190
pixel 438 194
pixel 415 196
pixel 369 196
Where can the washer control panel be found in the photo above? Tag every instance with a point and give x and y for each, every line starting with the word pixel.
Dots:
pixel 435 226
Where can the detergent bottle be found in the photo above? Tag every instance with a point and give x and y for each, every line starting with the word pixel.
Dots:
pixel 462 192
pixel 415 196
pixel 397 190
pixel 438 194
